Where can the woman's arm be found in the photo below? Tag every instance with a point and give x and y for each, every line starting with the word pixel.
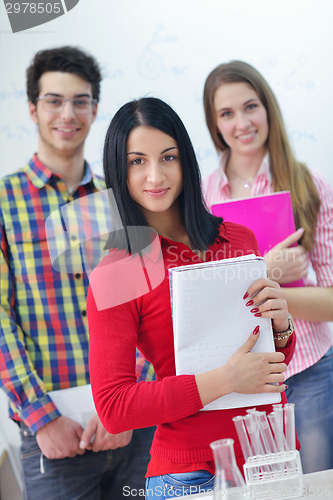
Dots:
pixel 307 303
pixel 120 401
pixel 310 303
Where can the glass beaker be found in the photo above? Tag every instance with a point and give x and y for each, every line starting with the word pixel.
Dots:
pixel 229 482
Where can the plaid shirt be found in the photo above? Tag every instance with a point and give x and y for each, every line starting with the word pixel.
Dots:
pixel 44 283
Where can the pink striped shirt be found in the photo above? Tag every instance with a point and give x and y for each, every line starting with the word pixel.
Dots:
pixel 313 338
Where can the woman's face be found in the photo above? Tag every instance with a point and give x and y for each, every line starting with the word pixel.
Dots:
pixel 241 118
pixel 154 172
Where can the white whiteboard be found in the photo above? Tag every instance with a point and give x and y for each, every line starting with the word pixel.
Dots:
pixel 166 49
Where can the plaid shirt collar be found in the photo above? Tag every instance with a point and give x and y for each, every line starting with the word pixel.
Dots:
pixel 40 175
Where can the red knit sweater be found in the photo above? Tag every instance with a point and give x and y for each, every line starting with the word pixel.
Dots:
pixel 171 402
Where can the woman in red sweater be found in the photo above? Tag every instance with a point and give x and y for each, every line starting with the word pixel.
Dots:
pixel 153 176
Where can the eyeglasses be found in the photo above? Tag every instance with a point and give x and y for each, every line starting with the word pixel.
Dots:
pixel 55 104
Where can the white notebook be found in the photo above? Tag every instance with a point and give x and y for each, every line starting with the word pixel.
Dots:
pixel 75 402
pixel 211 320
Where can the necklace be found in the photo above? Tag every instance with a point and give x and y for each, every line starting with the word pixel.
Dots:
pixel 248 182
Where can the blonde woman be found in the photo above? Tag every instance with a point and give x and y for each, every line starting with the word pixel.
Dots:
pixel 247 129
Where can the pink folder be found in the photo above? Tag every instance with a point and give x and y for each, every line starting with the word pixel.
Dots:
pixel 269 216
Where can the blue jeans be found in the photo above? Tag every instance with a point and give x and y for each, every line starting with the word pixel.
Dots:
pixel 312 393
pixel 177 485
pixel 106 475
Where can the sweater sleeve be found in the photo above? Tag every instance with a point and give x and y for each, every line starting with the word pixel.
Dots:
pixel 289 348
pixel 122 403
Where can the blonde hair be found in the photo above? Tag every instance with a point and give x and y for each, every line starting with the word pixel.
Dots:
pixel 288 174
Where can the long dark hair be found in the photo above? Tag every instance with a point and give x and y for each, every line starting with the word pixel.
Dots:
pixel 201 226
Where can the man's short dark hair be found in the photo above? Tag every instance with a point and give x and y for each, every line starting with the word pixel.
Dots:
pixel 68 60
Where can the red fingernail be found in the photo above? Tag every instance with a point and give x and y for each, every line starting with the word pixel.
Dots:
pixel 257 315
pixel 256 330
pixel 246 295
pixel 250 303
pixel 286 386
pixel 255 310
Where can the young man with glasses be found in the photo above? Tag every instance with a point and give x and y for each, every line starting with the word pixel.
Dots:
pixel 43 322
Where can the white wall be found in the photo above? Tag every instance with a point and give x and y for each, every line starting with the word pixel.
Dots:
pixel 166 49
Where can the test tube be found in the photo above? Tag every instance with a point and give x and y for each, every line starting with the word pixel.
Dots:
pixel 278 409
pixel 289 425
pixel 267 436
pixel 268 439
pixel 275 421
pixel 251 426
pixel 255 416
pixel 243 437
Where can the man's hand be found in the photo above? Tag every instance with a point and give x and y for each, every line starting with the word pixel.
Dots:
pixel 60 438
pixel 285 263
pixel 102 440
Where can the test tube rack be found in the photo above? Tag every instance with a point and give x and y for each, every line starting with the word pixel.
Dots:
pixel 272 466
pixel 274 476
